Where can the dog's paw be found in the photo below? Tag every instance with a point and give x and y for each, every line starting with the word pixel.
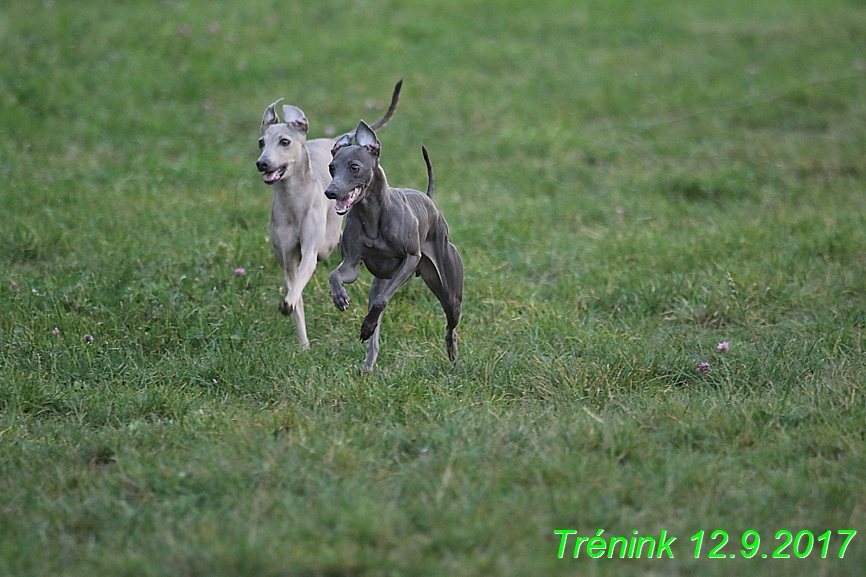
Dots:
pixel 341 301
pixel 284 308
pixel 451 345
pixel 368 327
pixel 367 330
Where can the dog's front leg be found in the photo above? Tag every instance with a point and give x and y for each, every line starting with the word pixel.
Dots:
pixel 309 252
pixel 378 303
pixel 346 273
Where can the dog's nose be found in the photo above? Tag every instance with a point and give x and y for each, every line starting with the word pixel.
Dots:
pixel 262 165
pixel 330 193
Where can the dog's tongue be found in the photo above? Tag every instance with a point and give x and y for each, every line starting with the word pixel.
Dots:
pixel 271 177
pixel 343 206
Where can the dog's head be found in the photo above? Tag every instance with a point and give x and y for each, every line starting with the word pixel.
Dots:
pixel 352 167
pixel 281 142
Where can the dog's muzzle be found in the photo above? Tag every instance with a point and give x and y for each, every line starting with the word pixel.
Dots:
pixel 344 205
pixel 270 176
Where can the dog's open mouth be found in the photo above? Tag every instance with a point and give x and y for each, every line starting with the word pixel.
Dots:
pixel 343 206
pixel 273 176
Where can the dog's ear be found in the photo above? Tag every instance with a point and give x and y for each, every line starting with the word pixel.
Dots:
pixel 364 136
pixel 344 140
pixel 293 115
pixel 270 117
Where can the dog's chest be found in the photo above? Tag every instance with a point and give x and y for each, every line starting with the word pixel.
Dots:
pixel 381 265
pixel 292 203
pixel 369 241
pixel 381 256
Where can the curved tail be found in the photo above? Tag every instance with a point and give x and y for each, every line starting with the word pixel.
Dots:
pixel 429 172
pixel 394 98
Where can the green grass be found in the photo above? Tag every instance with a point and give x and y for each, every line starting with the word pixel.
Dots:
pixel 629 184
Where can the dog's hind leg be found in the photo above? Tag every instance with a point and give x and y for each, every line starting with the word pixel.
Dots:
pixel 447 285
pixel 373 343
pixel 372 349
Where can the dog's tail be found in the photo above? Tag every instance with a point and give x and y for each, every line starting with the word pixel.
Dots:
pixel 394 98
pixel 429 172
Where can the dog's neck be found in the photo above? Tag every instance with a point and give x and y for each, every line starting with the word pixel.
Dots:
pixel 298 176
pixel 291 193
pixel 369 209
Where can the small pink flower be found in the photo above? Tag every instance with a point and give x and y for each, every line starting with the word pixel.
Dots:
pixel 703 367
pixel 14 286
pixel 723 347
pixel 56 332
pixel 240 271
pixel 88 338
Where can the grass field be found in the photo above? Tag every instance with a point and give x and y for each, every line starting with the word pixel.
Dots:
pixel 629 184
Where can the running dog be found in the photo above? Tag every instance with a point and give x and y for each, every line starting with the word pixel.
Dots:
pixel 395 232
pixel 305 228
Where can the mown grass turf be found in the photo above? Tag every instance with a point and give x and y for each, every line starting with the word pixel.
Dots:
pixel 629 184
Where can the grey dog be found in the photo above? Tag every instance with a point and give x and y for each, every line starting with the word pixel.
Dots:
pixel 305 228
pixel 395 232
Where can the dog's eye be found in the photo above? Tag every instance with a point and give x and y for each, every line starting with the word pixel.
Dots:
pixel 331 170
pixel 261 143
pixel 285 142
pixel 354 168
